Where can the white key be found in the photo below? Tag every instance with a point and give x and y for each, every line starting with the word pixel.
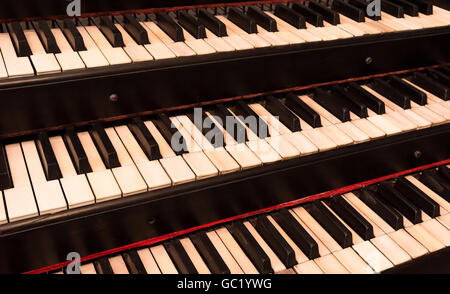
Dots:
pixel 101 179
pixel 3 217
pixel 194 256
pixel 273 38
pixel 352 261
pixel 219 44
pixel 43 63
pixel 275 262
pixel 330 265
pixel 408 243
pixel 88 269
pixel 49 196
pixel 76 187
pixel 226 256
pixel 136 52
pixel 114 55
pixel 390 249
pixel 156 47
pixel 20 202
pixel 178 48
pixel 67 59
pixel 3 71
pixel 163 260
pixel 118 266
pixel 127 175
pixel 239 255
pixel 175 166
pixel 152 171
pixel 444 220
pixel 198 45
pixel 439 231
pixel 425 238
pixel 223 161
pixel 92 56
pixel 148 261
pixel 372 256
pixel 15 66
pixel 369 128
pixel 309 267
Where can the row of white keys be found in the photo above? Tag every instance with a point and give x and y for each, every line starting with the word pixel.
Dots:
pixel 67 59
pixel 49 195
pixel 136 52
pixel 20 202
pixel 222 160
pixel 127 175
pixel 76 187
pixel 195 158
pixel 152 171
pixel 178 48
pixel 15 66
pixel 174 165
pixel 101 179
pixel 43 62
pixel 114 55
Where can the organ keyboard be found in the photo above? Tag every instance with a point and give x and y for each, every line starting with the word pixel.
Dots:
pixel 122 127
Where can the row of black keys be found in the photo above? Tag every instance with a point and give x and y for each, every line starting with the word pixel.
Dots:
pixel 195 22
pixel 338 100
pixel 390 201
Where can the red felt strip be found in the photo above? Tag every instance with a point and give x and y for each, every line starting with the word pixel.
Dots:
pixel 241 216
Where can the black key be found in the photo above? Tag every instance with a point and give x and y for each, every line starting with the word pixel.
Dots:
pixel 439 77
pixel 103 267
pixel 444 172
pixel 360 94
pixel 45 34
pixel 431 85
pixel 400 202
pixel 145 139
pixel 76 151
pixel 285 116
pixel 135 29
pixel 423 6
pixel 330 223
pixel 417 197
pixel 328 15
pixel 262 19
pixel 274 239
pixel 290 16
pixel 243 21
pixel 385 211
pixel 411 92
pixel 305 112
pixel 251 248
pixel 72 34
pixel 351 217
pixel 408 7
pixel 436 183
pixel 310 15
pixel 384 89
pixel 242 109
pixel 48 158
pixel 392 8
pixel 104 146
pixel 180 258
pixel 348 10
pixel 209 253
pixel 297 233
pixel 169 26
pixel 171 134
pixel 18 39
pixel 5 176
pixel 212 23
pixel 362 5
pixel 326 100
pixel 133 263
pixel 110 31
pixel 349 101
pixel 230 124
pixel 192 25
